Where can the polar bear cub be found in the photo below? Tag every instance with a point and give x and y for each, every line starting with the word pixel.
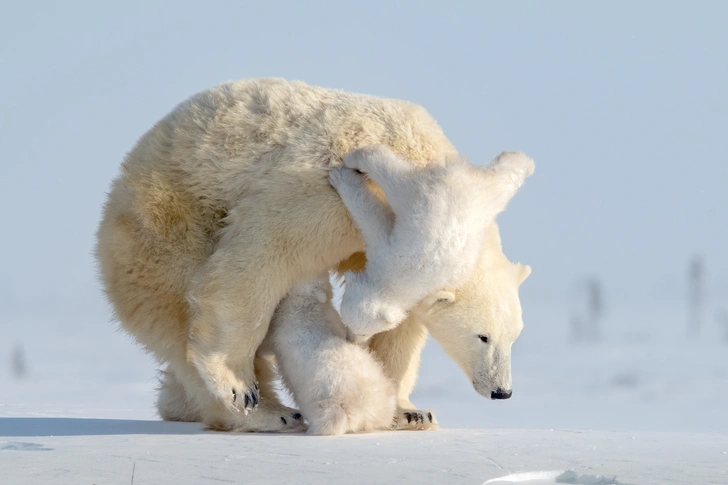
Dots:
pixel 338 386
pixel 429 236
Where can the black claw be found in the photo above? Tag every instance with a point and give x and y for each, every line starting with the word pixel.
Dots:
pixel 296 416
pixel 247 401
pixel 256 386
pixel 284 420
pixel 408 416
pixel 255 399
pixel 429 416
pixel 235 395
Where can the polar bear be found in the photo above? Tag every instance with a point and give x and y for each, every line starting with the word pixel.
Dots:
pixel 339 387
pixel 225 204
pixel 428 234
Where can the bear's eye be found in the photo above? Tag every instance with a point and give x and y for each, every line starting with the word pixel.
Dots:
pixel 483 338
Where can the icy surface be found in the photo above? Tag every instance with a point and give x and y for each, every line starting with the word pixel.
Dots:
pixel 650 406
pixel 82 450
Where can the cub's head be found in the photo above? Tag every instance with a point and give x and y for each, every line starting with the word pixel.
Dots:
pixel 367 308
pixel 478 322
pixel 315 289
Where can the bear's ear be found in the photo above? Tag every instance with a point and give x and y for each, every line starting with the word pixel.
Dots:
pixel 522 272
pixel 442 296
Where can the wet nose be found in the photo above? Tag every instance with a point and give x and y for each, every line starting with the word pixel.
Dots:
pixel 501 394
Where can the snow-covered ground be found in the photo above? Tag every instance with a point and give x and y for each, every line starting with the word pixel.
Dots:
pixel 76 451
pixel 643 404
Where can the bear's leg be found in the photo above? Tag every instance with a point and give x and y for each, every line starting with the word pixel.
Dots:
pixel 372 216
pixel 232 308
pixel 266 374
pixel 273 240
pixel 399 352
pixel 173 403
pixel 270 414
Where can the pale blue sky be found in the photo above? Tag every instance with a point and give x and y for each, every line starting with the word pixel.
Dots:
pixel 623 105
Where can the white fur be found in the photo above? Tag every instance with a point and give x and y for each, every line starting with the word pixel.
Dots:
pixel 225 204
pixel 338 386
pixel 430 239
pixel 458 319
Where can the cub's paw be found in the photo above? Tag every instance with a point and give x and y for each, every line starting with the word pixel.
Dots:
pixel 414 419
pixel 292 422
pixel 516 166
pixel 342 178
pixel 366 158
pixel 267 419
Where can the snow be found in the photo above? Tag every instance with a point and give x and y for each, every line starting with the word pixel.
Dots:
pixel 81 450
pixel 642 405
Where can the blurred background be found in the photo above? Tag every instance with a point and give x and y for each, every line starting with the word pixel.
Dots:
pixel 623 105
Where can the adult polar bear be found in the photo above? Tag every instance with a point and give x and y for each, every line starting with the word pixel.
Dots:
pixel 224 205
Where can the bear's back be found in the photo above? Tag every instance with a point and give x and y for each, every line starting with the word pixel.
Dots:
pixel 219 140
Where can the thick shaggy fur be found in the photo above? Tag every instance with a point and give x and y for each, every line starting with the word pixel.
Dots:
pixel 486 306
pixel 428 235
pixel 339 387
pixel 225 205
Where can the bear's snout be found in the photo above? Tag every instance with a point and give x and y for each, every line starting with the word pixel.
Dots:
pixel 501 394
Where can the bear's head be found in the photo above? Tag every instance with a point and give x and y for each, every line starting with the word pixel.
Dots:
pixel 478 322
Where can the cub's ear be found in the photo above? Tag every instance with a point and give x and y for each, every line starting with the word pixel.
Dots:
pixel 522 272
pixel 442 296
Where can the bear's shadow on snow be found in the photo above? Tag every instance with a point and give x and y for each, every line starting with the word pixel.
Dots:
pixel 17 427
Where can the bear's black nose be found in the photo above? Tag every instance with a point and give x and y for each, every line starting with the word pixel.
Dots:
pixel 501 394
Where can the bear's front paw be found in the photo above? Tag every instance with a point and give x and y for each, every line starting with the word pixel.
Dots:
pixel 235 394
pixel 245 399
pixel 415 419
pixel 234 386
